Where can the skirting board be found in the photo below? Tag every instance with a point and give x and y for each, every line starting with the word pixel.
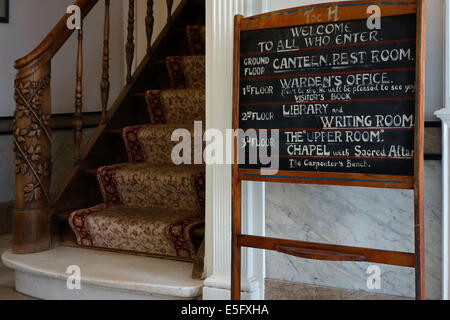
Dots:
pixel 6 217
pixel 210 293
pixel 283 290
pixel 218 288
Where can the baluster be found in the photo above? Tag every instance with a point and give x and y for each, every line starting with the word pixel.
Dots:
pixel 78 121
pixel 105 84
pixel 149 23
pixel 130 40
pixel 169 10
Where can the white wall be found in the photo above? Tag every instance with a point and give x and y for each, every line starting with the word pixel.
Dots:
pixel 435 48
pixel 30 22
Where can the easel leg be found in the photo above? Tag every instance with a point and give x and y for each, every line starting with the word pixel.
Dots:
pixel 419 220
pixel 236 275
pixel 235 248
pixel 419 236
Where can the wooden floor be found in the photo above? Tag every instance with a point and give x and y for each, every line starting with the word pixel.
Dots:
pixel 7 291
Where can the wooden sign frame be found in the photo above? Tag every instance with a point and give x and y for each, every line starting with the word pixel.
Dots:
pixel 354 10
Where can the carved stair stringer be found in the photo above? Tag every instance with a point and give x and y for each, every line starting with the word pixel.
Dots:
pixel 76 191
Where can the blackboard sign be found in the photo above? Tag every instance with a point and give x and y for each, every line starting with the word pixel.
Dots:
pixel 331 94
pixel 337 96
pixel 341 95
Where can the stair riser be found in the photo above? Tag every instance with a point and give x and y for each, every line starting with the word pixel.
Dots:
pixel 168 188
pixel 154 145
pixel 48 288
pixel 186 71
pixel 176 106
pixel 196 39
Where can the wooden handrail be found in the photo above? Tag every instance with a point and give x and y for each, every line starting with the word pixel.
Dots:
pixel 45 51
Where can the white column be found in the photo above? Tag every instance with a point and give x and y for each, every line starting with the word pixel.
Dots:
pixel 219 103
pixel 444 114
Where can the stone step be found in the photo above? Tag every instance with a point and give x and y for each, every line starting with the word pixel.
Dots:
pixel 104 276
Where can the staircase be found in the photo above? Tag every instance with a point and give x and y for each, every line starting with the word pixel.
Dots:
pixel 125 195
pixel 151 206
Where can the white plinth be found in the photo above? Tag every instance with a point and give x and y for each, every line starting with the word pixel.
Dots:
pixel 104 275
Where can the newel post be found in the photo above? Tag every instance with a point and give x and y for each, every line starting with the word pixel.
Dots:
pixel 32 145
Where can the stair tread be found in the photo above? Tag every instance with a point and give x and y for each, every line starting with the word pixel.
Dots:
pixel 146 230
pixel 146 213
pixel 192 56
pixel 93 172
pixel 178 90
pixel 156 167
pixel 161 126
pixel 141 95
pixel 143 275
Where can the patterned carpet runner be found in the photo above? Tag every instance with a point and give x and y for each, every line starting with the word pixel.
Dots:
pixel 152 206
